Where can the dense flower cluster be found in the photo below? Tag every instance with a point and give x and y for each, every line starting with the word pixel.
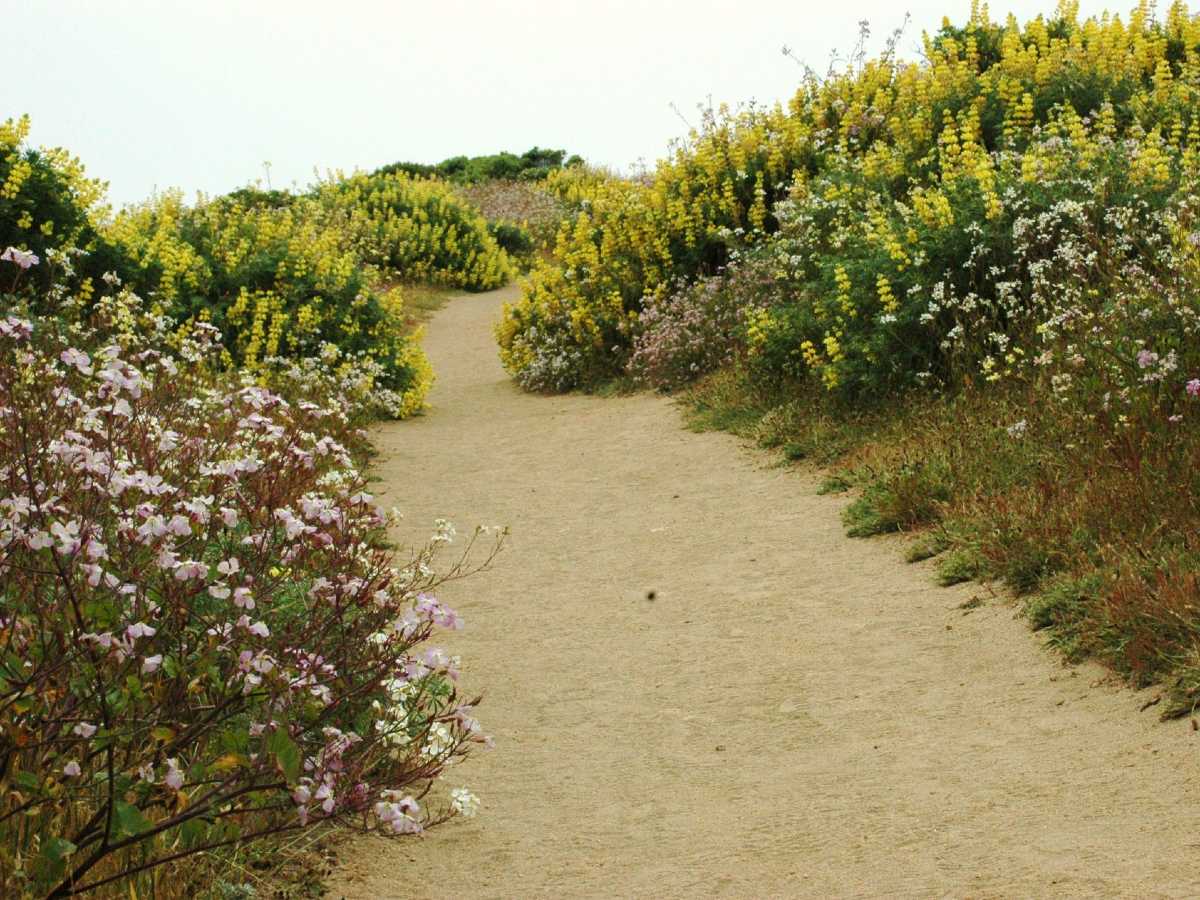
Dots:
pixel 699 327
pixel 205 636
pixel 629 240
pixel 283 276
pixel 418 228
pixel 46 203
pixel 920 207
pixel 573 322
pixel 279 279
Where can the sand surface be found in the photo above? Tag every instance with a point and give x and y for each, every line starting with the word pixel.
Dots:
pixel 794 714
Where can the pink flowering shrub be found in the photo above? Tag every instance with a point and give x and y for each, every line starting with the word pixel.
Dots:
pixel 698 327
pixel 204 636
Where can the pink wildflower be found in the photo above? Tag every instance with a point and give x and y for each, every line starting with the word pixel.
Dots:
pixel 139 630
pixel 22 258
pixel 78 359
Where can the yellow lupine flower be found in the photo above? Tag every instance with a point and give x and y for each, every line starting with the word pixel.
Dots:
pixel 886 298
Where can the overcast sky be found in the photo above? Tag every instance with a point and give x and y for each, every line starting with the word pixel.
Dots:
pixel 197 95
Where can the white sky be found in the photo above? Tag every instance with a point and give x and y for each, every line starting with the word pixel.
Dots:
pixel 198 94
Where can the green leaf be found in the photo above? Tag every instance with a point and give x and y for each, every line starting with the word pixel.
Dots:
pixel 27 780
pixel 129 819
pixel 52 862
pixel 228 763
pixel 287 754
pixel 163 733
pixel 234 740
pixel 194 831
pixel 58 849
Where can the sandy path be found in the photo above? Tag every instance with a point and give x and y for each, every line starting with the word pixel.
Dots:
pixel 795 714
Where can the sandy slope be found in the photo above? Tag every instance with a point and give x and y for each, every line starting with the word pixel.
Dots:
pixel 794 714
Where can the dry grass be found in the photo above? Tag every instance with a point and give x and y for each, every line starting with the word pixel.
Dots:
pixel 1096 534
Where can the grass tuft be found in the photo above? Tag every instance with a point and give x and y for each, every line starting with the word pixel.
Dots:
pixel 927 546
pixel 961 565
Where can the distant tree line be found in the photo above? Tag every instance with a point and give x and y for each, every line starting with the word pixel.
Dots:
pixel 532 165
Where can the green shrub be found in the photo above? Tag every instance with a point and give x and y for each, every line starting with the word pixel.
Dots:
pixel 906 497
pixel 927 546
pixel 532 165
pixel 512 238
pixel 960 565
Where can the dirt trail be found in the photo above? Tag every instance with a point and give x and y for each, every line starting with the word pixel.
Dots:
pixel 794 714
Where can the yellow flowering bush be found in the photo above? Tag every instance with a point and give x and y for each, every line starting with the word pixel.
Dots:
pixel 281 278
pixel 984 302
pixel 1014 169
pixel 630 238
pixel 419 228
pixel 889 171
pixel 48 204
